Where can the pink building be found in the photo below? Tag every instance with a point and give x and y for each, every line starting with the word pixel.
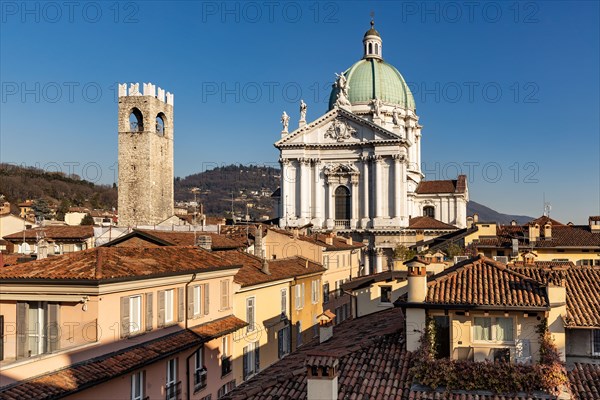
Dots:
pixel 118 323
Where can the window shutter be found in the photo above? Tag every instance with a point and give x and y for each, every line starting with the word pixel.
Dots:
pixel 161 309
pixel 206 299
pixel 245 362
pixel 52 328
pixel 124 316
pixel 149 311
pixel 280 343
pixel 180 305
pixel 22 309
pixel 190 301
pixel 256 357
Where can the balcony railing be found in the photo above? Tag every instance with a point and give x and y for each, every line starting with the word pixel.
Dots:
pixel 173 391
pixel 200 379
pixel 342 223
pixel 225 365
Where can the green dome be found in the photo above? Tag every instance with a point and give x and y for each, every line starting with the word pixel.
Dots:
pixel 373 78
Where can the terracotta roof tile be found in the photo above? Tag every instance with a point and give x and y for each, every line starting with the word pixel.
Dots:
pixel 55 232
pixel 114 263
pixel 251 271
pixel 443 186
pixel 485 282
pixel 338 242
pixel 428 223
pixel 219 242
pixel 83 375
pixel 583 289
pixel 585 381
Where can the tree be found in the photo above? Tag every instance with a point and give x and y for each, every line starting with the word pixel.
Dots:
pixel 87 220
pixel 403 253
pixel 41 209
pixel 454 250
pixel 63 208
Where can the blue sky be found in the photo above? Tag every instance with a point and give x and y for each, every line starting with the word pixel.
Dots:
pixel 507 92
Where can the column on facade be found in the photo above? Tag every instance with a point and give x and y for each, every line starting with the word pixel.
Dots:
pixel 378 186
pixel 285 185
pixel 354 201
pixel 318 189
pixel 367 261
pixel 403 190
pixel 304 188
pixel 330 206
pixel 378 260
pixel 397 187
pixel 365 194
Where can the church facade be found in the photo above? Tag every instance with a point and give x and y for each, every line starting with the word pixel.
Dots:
pixel 356 169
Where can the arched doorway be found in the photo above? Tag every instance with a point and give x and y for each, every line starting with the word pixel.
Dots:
pixel 342 207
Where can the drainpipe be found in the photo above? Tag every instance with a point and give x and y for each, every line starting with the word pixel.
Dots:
pixel 185 317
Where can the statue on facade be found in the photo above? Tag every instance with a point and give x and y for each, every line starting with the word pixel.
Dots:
pixel 395 116
pixel 285 121
pixel 342 85
pixel 303 108
pixel 377 112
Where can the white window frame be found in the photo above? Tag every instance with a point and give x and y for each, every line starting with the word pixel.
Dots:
pixel 299 296
pixel 171 379
pixel 135 324
pixel 169 305
pixel 137 382
pixel 199 366
pixel 250 359
pixel 197 300
pixel 315 289
pixel 35 331
pixel 224 294
pixel 299 334
pixel 493 330
pixel 381 294
pixel 251 313
pixel 225 346
pixel 284 301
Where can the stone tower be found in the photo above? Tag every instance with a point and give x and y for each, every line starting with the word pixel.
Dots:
pixel 145 155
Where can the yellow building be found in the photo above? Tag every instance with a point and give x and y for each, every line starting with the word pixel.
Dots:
pixel 276 298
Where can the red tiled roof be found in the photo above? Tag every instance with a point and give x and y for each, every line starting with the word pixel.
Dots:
pixel 114 263
pixel 443 186
pixel 55 232
pixel 562 236
pixel 428 223
pixel 583 289
pixel 484 282
pixel 543 220
pixel 83 375
pixel 585 381
pixel 251 271
pixel 219 242
pixel 319 239
pixel 594 218
pixel 372 363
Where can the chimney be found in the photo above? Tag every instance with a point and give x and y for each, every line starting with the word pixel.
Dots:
pixel 594 223
pixel 349 240
pixel 329 239
pixel 42 249
pixel 534 232
pixel 557 297
pixel 513 222
pixel 204 242
pixel 295 233
pixel 322 376
pixel 475 218
pixel 548 231
pixel 265 267
pixel 258 243
pixel 469 222
pixel 417 280
pixel 325 321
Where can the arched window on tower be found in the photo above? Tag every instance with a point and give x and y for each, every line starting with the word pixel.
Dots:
pixel 342 206
pixel 377 48
pixel 136 121
pixel 160 124
pixel 429 211
pixel 370 48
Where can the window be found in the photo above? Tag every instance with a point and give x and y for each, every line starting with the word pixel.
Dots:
pixel 224 294
pixel 226 388
pixel 596 342
pixel 169 306
pixel 326 292
pixel 37 328
pixel 299 299
pixel 429 211
pixel 326 262
pixel 137 386
pixel 315 289
pixel 225 357
pixel 284 301
pixel 342 203
pixel 499 329
pixel 251 359
pixel 283 341
pixel 135 314
pixel 197 300
pixel 250 313
pixel 199 370
pixel 299 334
pixel 136 121
pixel 172 386
pixel 386 294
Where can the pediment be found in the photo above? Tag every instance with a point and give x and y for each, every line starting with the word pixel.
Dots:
pixel 337 127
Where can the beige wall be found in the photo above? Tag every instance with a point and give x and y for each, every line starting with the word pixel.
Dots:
pixel 307 315
pixel 267 306
pixel 368 300
pixel 10 224
pixel 74 218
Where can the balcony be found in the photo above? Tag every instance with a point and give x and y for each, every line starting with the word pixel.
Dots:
pixel 342 223
pixel 200 379
pixel 173 391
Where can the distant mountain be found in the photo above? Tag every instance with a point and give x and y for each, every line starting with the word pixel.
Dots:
pixel 486 214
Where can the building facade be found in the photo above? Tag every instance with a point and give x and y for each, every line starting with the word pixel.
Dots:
pixel 357 168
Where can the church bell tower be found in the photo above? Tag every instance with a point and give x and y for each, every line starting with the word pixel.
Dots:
pixel 145 155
